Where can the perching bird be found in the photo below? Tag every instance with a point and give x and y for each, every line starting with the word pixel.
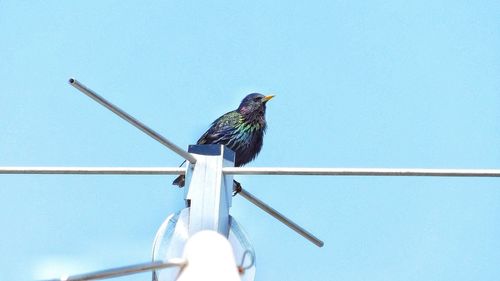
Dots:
pixel 241 130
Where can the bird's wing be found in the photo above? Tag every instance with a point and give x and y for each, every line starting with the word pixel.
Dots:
pixel 222 129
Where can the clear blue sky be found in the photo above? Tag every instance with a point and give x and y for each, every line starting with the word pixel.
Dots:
pixel 358 84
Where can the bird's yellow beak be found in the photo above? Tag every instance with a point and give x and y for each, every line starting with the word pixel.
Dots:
pixel 266 98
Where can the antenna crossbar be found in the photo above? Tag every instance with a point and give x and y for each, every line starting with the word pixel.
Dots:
pixel 401 172
pixel 277 215
pixel 93 170
pixel 127 117
pixel 122 271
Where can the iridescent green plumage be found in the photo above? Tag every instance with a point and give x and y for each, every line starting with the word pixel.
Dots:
pixel 241 130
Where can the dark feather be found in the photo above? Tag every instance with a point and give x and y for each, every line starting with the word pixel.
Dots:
pixel 241 130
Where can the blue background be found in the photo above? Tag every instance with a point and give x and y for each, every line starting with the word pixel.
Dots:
pixel 358 84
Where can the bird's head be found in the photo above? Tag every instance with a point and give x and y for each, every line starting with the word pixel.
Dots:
pixel 254 104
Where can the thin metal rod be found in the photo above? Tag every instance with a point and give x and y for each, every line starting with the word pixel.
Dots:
pixel 138 124
pixel 408 172
pixel 405 172
pixel 93 170
pixel 268 209
pixel 121 271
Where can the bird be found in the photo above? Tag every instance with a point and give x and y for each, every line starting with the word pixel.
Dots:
pixel 241 130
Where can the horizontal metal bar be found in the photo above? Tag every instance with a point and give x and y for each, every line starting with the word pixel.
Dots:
pixel 268 209
pixel 93 170
pixel 121 271
pixel 404 172
pixel 138 124
pixel 408 172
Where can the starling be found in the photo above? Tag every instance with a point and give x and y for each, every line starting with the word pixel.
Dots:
pixel 241 130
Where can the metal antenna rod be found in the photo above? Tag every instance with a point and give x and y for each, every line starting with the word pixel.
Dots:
pixel 289 171
pixel 402 172
pixel 124 115
pixel 93 170
pixel 268 209
pixel 121 271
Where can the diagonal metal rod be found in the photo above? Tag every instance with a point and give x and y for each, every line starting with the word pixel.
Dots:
pixel 93 170
pixel 138 124
pixel 268 209
pixel 121 271
pixel 404 172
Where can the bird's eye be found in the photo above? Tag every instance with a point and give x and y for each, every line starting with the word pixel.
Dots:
pixel 256 99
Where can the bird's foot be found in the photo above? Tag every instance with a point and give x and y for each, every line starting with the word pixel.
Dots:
pixel 180 181
pixel 236 187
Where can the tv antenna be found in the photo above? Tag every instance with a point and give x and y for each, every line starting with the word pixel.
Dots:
pixel 203 241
